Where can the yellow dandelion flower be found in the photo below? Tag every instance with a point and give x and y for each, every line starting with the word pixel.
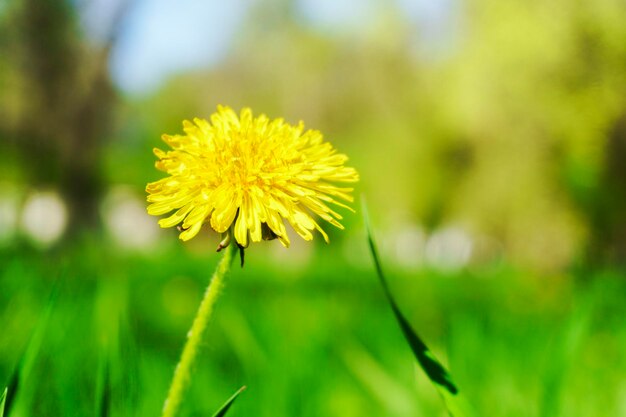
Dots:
pixel 245 175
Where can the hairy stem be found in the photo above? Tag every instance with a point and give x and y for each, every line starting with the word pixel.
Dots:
pixel 182 374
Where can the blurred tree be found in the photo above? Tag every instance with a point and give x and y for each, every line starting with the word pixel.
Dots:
pixel 535 90
pixel 58 100
pixel 601 80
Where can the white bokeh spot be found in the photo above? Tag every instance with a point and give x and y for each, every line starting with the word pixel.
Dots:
pixel 127 221
pixel 44 217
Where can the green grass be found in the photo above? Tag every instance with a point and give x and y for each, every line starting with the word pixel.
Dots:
pixel 306 341
pixel 439 376
pixel 226 406
pixel 3 398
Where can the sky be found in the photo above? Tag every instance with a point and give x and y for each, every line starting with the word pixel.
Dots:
pixel 160 38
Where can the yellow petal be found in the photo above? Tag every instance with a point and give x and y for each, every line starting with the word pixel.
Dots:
pixel 191 232
pixel 177 217
pixel 241 230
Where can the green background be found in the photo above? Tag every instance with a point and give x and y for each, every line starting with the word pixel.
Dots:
pixel 492 160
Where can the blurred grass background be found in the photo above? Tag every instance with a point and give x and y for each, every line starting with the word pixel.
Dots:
pixel 490 137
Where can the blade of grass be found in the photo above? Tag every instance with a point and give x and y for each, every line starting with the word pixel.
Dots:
pixel 31 352
pixel 391 393
pixel 7 400
pixel 222 411
pixel 2 401
pixel 434 370
pixel 103 389
pixel 110 300
pixel 563 354
pixel 116 387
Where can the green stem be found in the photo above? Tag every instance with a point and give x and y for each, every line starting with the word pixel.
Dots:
pixel 182 374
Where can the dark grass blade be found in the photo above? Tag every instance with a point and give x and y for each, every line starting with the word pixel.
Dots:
pixel 107 306
pixel 117 372
pixel 436 372
pixel 27 361
pixel 10 391
pixel 103 389
pixel 224 409
pixel 3 398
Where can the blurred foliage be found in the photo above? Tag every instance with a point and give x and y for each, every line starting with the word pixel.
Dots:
pixel 513 128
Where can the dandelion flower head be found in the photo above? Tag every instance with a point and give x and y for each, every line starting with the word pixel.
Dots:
pixel 245 175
